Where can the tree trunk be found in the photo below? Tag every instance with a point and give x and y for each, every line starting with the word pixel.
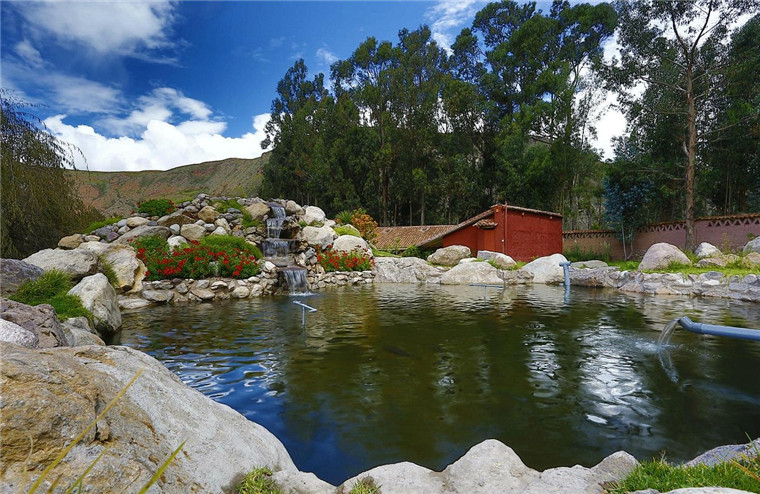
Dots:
pixel 690 149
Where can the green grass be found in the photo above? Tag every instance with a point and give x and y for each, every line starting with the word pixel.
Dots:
pixel 100 224
pixel 659 475
pixel 109 272
pixel 346 230
pixel 366 485
pixel 229 242
pixel 383 253
pixel 223 206
pixel 259 481
pixel 51 288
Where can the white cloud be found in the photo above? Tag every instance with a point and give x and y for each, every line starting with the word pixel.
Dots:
pixel 161 145
pixel 29 53
pixel 326 57
pixel 107 27
pixel 449 17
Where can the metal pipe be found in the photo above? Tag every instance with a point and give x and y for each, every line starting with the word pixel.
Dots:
pixel 566 270
pixel 303 312
pixel 716 330
pixel 486 286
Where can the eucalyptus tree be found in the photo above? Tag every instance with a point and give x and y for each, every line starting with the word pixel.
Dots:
pixel 675 48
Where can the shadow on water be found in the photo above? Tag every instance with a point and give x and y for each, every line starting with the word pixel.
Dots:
pixel 422 373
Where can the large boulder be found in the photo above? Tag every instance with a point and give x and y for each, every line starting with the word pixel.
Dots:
pixel 321 237
pixel 292 208
pixel 472 272
pixel 208 214
pixel 49 396
pixel 175 218
pixel 40 320
pixel 491 467
pixel 76 263
pixel 144 231
pixel 752 246
pixel 99 297
pixel 705 250
pixel 406 270
pixel 449 256
pixel 661 255
pixel 14 273
pixel 312 214
pixel 258 210
pixel 349 243
pixel 122 259
pixel 10 332
pixel 501 261
pixel 546 269
pixel 192 232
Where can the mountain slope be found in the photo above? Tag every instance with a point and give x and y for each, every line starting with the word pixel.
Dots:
pixel 117 193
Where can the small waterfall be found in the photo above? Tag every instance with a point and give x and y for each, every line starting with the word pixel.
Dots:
pixel 274 225
pixel 295 279
pixel 275 248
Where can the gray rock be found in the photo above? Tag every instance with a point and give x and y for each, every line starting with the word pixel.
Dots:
pixel 122 259
pixel 725 453
pixel 136 221
pixel 301 483
pixel 502 261
pixel 80 333
pixel 291 208
pixel 106 233
pixel 751 260
pixel 405 270
pixel 99 297
pixel 158 296
pixel 546 269
pixel 706 249
pixel 321 237
pixel 177 242
pixel 349 243
pixel 240 292
pixel 76 263
pixel 580 480
pixel 13 273
pixel 203 293
pixel 489 467
pixel 312 214
pixel 209 227
pixel 222 223
pixel 752 246
pixel 71 242
pixel 449 256
pixel 40 320
pixel 144 231
pixel 132 302
pixel 175 229
pixel 258 210
pixel 472 272
pixel 661 255
pixel 219 231
pixel 121 223
pixel 11 332
pixel 588 264
pixel 712 262
pixel 68 387
pixel 208 214
pixel 175 218
pixel 192 232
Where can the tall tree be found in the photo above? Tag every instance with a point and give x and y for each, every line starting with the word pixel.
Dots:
pixel 39 202
pixel 674 46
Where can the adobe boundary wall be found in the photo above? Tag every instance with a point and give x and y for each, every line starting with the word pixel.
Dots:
pixel 728 233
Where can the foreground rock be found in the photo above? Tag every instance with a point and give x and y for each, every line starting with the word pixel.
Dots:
pixel 492 467
pixel 14 273
pixel 99 297
pixel 752 246
pixel 662 255
pixel 76 263
pixel 449 256
pixel 66 388
pixel 40 321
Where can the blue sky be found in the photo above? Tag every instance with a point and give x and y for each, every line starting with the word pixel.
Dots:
pixel 158 84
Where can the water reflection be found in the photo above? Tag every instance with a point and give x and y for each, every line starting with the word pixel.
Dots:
pixel 421 373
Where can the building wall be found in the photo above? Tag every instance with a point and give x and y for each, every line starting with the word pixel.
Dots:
pixel 532 235
pixel 725 232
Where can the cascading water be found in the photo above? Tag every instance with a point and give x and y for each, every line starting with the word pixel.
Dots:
pixel 295 278
pixel 275 247
pixel 274 225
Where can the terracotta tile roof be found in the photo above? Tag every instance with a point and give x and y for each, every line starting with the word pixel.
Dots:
pixel 486 224
pixel 401 237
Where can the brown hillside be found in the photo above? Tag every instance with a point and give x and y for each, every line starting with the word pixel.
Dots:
pixel 117 193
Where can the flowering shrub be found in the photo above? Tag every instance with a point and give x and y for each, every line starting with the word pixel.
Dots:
pixel 345 261
pixel 365 224
pixel 195 261
pixel 156 207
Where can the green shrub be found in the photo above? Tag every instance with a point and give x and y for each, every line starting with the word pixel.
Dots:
pixel 259 481
pixel 383 253
pixel 248 221
pixel 415 251
pixel 344 217
pixel 222 205
pixel 52 288
pixel 346 230
pixel 229 242
pixel 109 272
pixel 100 224
pixel 366 485
pixel 156 207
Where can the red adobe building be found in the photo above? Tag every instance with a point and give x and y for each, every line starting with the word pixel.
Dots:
pixel 521 233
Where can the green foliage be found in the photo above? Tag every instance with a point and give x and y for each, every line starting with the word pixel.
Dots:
pixel 345 261
pixel 109 272
pixel 32 165
pixel 383 253
pixel 344 217
pixel 363 222
pixel 100 224
pixel 346 230
pixel 52 288
pixel 156 207
pixel 659 475
pixel 259 481
pixel 219 255
pixel 415 251
pixel 223 205
pixel 366 485
pixel 230 242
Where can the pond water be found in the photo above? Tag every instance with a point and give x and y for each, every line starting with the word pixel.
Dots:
pixel 389 373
